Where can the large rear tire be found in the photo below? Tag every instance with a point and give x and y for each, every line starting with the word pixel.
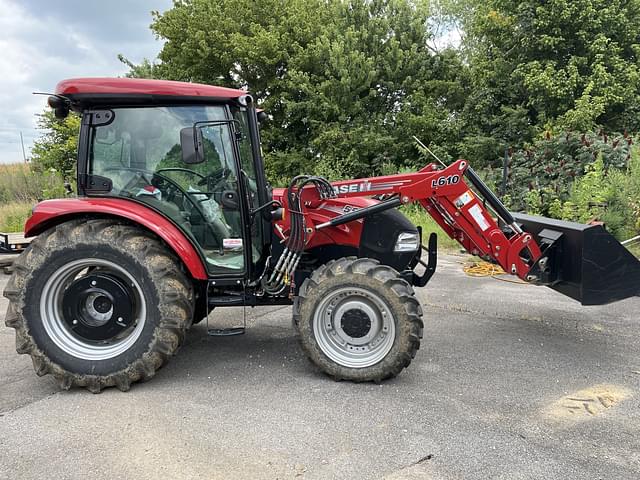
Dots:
pixel 98 303
pixel 359 320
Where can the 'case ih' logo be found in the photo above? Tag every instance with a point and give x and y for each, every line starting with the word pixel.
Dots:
pixel 353 187
pixel 368 186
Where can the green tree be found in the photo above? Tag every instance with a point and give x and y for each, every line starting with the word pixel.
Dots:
pixel 57 147
pixel 556 65
pixel 370 83
pixel 346 83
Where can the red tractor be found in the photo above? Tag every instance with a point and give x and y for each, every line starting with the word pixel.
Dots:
pixel 174 217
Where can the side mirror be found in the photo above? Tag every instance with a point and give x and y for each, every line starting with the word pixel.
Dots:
pixel 229 200
pixel 191 144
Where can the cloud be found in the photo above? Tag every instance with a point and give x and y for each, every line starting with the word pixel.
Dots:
pixel 44 42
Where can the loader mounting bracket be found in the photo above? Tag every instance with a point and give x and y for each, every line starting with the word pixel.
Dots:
pixel 547 269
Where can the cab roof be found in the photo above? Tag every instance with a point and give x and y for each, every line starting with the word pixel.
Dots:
pixel 103 91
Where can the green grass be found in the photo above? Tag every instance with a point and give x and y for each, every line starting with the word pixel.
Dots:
pixel 21 187
pixel 13 215
pixel 421 218
pixel 21 182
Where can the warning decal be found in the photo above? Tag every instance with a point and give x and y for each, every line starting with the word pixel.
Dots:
pixel 478 216
pixel 232 243
pixel 463 199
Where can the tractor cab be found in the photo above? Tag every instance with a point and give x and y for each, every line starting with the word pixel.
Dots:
pixel 190 152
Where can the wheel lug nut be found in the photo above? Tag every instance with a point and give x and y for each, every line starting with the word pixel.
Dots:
pixel 93 283
pixel 75 322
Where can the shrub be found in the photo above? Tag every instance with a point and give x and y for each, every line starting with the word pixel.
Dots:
pixel 20 183
pixel 551 165
pixel 608 195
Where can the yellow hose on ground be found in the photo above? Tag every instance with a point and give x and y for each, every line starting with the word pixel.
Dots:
pixel 486 269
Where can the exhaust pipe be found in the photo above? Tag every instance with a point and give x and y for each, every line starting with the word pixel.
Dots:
pixel 584 262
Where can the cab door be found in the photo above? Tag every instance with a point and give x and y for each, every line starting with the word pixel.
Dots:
pixel 256 189
pixel 140 150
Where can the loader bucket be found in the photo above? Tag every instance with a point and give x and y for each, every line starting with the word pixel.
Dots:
pixel 587 263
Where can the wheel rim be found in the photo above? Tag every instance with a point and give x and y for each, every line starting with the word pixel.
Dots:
pixel 354 327
pixel 93 309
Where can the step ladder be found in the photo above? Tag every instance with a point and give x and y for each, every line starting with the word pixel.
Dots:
pixel 238 300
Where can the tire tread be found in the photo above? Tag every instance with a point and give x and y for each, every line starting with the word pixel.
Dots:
pixel 175 293
pixel 384 278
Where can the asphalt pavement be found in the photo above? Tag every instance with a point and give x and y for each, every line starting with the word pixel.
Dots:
pixel 511 382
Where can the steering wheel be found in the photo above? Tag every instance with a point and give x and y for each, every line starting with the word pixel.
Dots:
pixel 218 177
pixel 219 236
pixel 144 172
pixel 183 170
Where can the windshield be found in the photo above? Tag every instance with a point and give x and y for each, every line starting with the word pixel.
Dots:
pixel 149 139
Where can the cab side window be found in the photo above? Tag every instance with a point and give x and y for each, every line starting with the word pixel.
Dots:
pixel 140 152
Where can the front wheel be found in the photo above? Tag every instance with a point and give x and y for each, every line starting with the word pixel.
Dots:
pixel 359 320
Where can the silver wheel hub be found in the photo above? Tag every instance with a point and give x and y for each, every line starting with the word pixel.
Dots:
pixel 354 327
pixel 95 304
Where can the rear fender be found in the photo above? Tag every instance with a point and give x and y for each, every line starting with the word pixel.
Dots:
pixel 49 213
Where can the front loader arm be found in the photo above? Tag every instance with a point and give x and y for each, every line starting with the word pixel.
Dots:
pixel 584 262
pixel 455 207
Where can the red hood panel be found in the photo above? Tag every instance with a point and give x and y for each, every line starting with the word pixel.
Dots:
pixel 322 211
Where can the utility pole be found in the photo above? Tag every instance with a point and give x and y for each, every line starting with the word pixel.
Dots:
pixel 24 156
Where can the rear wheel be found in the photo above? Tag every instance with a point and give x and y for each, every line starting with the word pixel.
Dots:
pixel 97 304
pixel 359 320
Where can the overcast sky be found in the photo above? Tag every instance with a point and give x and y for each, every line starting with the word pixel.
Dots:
pixel 43 42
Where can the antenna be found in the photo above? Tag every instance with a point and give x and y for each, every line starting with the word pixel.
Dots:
pixel 428 150
pixel 51 95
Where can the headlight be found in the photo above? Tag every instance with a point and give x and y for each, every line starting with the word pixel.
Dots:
pixel 407 242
